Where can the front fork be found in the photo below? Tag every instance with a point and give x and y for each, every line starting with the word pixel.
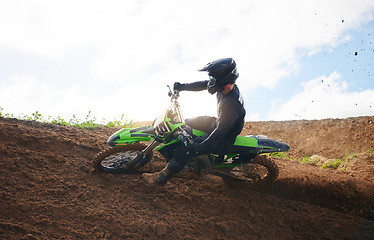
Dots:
pixel 183 135
pixel 146 151
pixel 150 148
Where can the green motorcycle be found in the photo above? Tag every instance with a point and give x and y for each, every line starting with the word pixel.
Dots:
pixel 247 160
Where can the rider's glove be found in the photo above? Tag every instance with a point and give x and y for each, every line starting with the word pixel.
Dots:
pixel 178 86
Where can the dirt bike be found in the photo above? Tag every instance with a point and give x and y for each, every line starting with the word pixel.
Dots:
pixel 246 160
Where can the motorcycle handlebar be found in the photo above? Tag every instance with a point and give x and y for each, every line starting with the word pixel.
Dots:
pixel 173 95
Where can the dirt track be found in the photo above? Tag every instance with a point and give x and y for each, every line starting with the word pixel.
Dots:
pixel 49 190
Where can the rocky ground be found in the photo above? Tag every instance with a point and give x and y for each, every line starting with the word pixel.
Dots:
pixel 49 190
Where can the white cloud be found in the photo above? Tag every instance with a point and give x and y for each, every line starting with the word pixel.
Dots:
pixel 18 91
pixel 140 46
pixel 24 95
pixel 133 38
pixel 325 97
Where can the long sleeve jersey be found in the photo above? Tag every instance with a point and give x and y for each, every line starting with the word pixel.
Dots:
pixel 230 111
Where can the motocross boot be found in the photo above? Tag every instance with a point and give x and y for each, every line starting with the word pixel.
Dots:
pixel 160 178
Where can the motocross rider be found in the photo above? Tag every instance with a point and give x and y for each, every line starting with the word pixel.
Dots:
pixel 221 132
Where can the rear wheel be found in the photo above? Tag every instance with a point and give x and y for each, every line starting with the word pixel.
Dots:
pixel 261 170
pixel 121 159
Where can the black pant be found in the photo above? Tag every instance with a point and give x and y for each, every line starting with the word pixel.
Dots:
pixel 207 124
pixel 203 123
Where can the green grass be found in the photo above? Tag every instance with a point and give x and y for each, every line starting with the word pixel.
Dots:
pixel 278 155
pixel 88 123
pixel 334 164
pixel 339 164
pixel 122 122
pixel 309 160
pixel 350 156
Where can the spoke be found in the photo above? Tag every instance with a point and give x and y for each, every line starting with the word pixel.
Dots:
pixel 118 161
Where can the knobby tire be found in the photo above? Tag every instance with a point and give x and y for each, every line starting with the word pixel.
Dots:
pixel 135 147
pixel 265 161
pixel 270 165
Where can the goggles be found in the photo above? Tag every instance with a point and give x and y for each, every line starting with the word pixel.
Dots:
pixel 212 81
pixel 212 85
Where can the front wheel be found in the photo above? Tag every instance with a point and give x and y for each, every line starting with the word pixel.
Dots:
pixel 121 159
pixel 261 170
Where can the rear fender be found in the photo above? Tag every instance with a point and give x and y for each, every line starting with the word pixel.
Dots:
pixel 127 136
pixel 261 143
pixel 269 146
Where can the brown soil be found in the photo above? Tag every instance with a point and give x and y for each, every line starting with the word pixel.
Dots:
pixel 49 190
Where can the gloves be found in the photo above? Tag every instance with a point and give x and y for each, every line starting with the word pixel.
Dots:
pixel 178 86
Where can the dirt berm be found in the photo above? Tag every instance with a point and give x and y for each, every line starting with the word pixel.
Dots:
pixel 50 191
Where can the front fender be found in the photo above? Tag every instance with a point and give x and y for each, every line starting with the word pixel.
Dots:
pixel 127 136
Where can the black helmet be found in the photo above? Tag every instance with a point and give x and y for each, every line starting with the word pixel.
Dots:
pixel 222 72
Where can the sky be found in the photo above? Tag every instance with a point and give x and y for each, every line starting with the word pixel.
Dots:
pixel 296 59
